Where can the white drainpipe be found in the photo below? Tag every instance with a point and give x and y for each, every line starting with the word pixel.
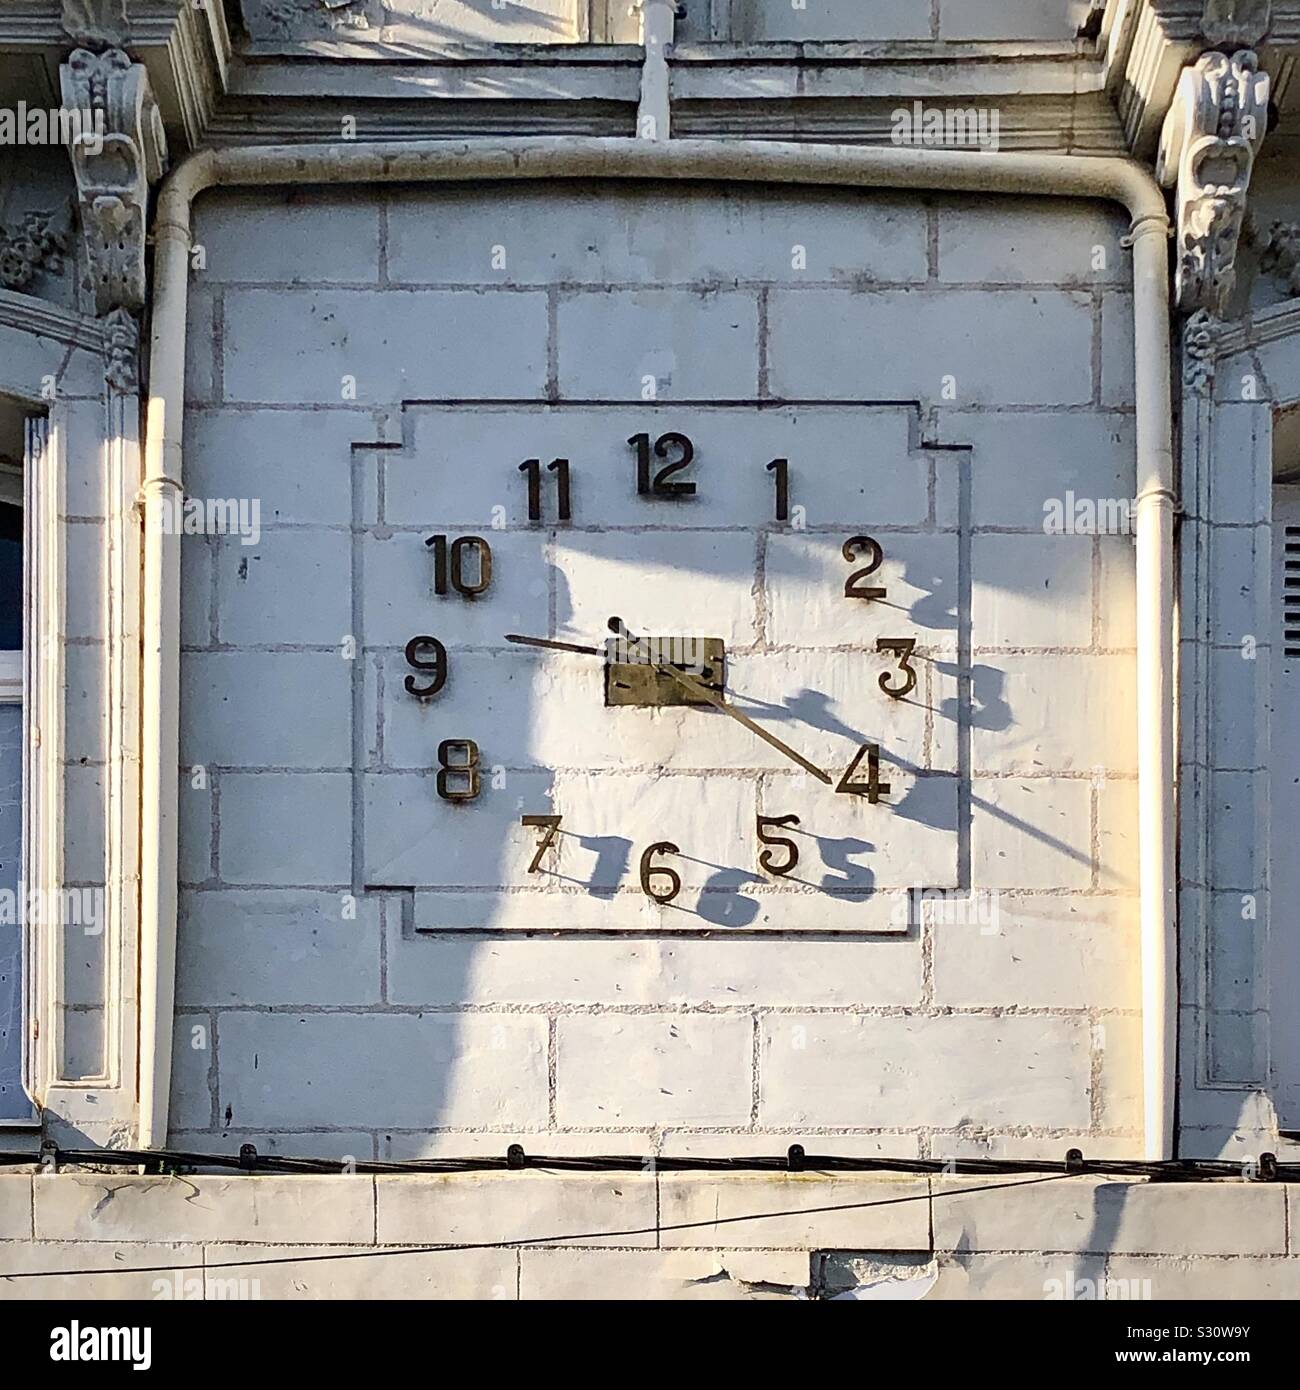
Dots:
pixel 658 28
pixel 895 167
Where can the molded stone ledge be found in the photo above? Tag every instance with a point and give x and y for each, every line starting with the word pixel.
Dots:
pixel 15 1206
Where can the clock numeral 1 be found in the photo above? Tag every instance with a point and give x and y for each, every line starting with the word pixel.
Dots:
pixel 663 896
pixel 459 780
pixel 658 485
pixel 781 467
pixel 902 647
pixel 550 827
pixel 533 469
pixel 435 666
pixel 873 788
pixel 449 564
pixel 766 860
pixel 853 586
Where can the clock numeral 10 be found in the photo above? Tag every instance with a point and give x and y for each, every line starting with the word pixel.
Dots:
pixel 657 485
pixel 533 469
pixel 449 564
pixel 873 788
pixel 459 778
pixel 434 666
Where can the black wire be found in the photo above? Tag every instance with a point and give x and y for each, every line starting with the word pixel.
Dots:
pixel 362 1254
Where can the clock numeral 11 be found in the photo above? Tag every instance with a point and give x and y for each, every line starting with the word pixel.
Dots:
pixel 533 469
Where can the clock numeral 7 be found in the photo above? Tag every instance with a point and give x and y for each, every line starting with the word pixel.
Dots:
pixel 873 788
pixel 550 828
pixel 853 586
pixel 902 647
pixel 648 870
pixel 560 467
pixel 766 860
pixel 658 485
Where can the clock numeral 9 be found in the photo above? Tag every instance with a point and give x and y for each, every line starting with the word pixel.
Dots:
pixel 550 827
pixel 766 860
pixel 435 666
pixel 459 780
pixel 853 586
pixel 449 564
pixel 658 485
pixel 533 469
pixel 648 870
pixel 873 788
pixel 902 647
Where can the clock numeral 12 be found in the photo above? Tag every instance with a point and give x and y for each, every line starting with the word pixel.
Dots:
pixel 658 485
pixel 873 788
pixel 533 469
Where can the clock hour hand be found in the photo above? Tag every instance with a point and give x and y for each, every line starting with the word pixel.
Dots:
pixel 553 646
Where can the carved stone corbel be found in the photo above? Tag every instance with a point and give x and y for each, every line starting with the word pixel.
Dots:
pixel 1207 149
pixel 1241 23
pixel 1200 350
pixel 120 150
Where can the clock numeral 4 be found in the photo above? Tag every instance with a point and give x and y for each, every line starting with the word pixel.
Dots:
pixel 853 585
pixel 766 859
pixel 533 469
pixel 662 896
pixel 433 665
pixel 459 778
pixel 550 828
pixel 873 788
pixel 449 564
pixel 657 485
pixel 902 647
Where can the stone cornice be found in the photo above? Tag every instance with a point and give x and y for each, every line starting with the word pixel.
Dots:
pixel 48 320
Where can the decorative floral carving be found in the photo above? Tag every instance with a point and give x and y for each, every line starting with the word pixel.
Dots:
pixel 1281 254
pixel 1237 22
pixel 98 22
pixel 114 171
pixel 1199 351
pixel 1207 148
pixel 122 338
pixel 39 245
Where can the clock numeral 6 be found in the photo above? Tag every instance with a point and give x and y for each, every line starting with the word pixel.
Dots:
pixel 902 647
pixel 459 779
pixel 449 564
pixel 550 827
pixel 658 485
pixel 873 788
pixel 766 860
pixel 853 586
pixel 434 666
pixel 648 870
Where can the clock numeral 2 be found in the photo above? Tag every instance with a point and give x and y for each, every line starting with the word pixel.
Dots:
pixel 873 788
pixel 435 666
pixel 658 485
pixel 902 647
pixel 550 827
pixel 666 895
pixel 560 467
pixel 459 780
pixel 449 564
pixel 853 586
pixel 766 860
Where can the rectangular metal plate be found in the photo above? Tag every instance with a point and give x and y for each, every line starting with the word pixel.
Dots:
pixel 639 683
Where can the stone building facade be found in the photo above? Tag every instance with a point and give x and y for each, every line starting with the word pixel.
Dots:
pixel 344 342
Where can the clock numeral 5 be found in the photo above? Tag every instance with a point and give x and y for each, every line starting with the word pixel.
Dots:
pixel 435 666
pixel 459 780
pixel 902 647
pixel 766 860
pixel 658 485
pixel 853 586
pixel 449 564
pixel 550 827
pixel 560 467
pixel 648 870
pixel 873 788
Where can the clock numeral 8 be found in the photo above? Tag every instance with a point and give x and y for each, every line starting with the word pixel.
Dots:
pixel 460 780
pixel 663 896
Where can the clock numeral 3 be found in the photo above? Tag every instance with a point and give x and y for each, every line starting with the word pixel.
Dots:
pixel 766 860
pixel 853 586
pixel 873 788
pixel 533 469
pixel 449 564
pixel 550 827
pixel 435 666
pixel 458 780
pixel 648 870
pixel 902 647
pixel 658 485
